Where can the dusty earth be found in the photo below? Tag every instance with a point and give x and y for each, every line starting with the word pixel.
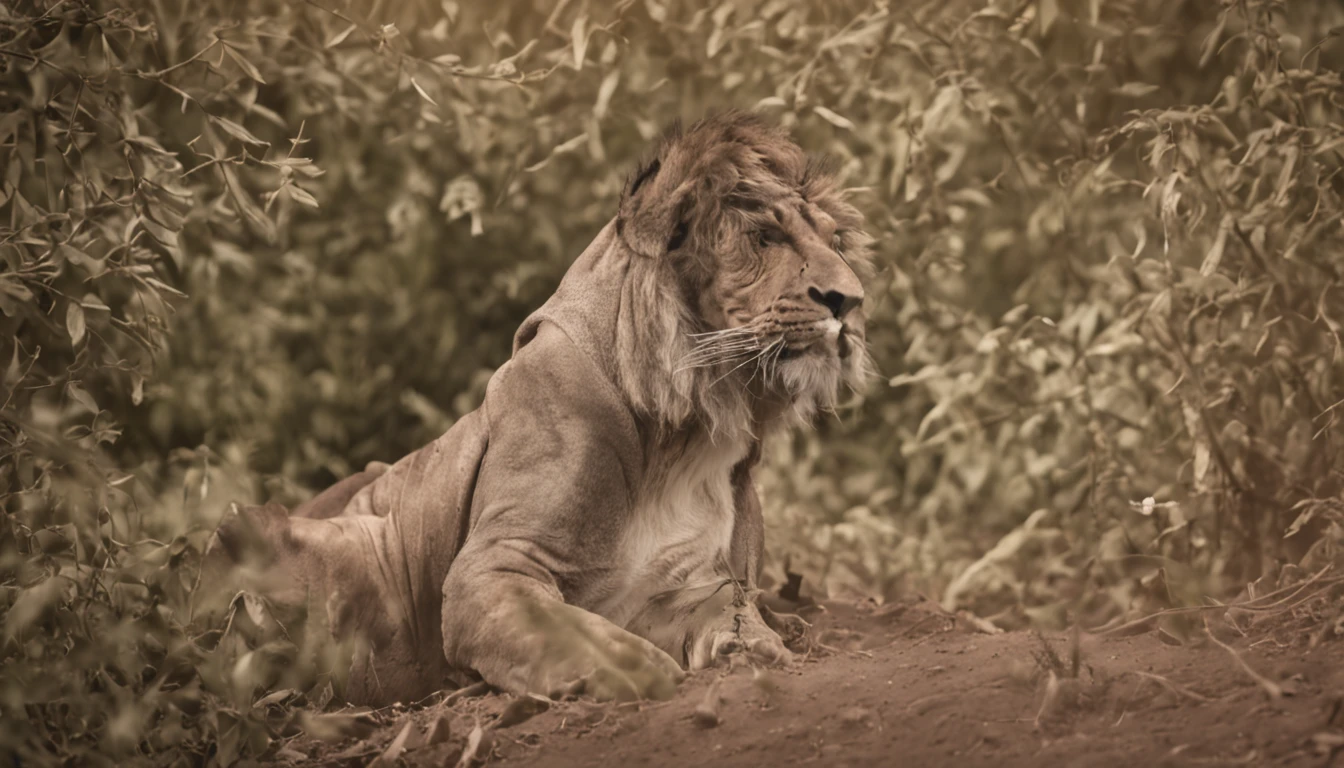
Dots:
pixel 907 684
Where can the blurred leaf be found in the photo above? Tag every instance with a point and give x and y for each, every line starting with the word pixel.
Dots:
pixel 335 727
pixel 74 322
pixel 1134 90
pixel 339 37
pixel 833 118
pixel 32 604
pixel 578 36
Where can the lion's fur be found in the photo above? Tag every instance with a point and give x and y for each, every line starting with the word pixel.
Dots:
pixel 605 483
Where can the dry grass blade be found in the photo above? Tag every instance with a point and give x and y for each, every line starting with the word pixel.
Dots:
pixel 1048 701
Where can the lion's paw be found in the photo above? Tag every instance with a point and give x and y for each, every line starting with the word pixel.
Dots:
pixel 583 654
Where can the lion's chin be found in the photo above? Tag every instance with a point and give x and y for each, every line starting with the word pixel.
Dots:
pixel 812 381
pixel 814 378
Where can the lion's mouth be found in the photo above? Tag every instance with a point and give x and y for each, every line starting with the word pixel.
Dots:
pixel 839 340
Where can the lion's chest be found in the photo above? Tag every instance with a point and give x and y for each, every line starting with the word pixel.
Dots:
pixel 679 533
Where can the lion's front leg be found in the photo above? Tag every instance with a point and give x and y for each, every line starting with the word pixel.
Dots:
pixel 519 635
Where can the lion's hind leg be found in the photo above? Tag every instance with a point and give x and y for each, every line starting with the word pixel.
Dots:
pixel 335 500
pixel 321 580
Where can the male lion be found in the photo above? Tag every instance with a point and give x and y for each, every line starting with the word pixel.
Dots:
pixel 593 525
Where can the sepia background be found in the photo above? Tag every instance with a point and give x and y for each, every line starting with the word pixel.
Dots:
pixel 247 247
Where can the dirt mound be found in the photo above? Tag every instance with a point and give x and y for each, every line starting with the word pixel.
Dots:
pixel 909 684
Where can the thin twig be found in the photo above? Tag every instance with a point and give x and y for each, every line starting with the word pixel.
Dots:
pixel 1272 688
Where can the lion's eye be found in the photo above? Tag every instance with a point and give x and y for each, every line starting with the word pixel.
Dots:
pixel 765 238
pixel 837 245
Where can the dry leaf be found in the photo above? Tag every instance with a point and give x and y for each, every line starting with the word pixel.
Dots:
pixel 706 713
pixel 477 747
pixel 396 747
pixel 440 730
pixel 336 727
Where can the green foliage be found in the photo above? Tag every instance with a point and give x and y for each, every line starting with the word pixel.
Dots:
pixel 247 247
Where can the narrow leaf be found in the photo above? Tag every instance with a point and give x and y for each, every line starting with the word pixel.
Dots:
pixel 1215 255
pixel 301 196
pixel 1206 50
pixel 164 287
pixel 604 93
pixel 237 131
pixel 248 68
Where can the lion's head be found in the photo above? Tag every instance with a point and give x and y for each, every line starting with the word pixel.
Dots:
pixel 746 269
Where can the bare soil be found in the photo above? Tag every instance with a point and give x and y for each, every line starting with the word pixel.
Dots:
pixel 907 684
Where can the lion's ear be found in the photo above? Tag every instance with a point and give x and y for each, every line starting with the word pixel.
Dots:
pixel 654 208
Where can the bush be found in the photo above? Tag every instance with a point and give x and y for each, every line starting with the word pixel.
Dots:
pixel 249 247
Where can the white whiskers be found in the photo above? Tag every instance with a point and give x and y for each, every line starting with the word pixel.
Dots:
pixel 730 345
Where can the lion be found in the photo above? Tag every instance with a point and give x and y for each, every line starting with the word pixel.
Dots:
pixel 593 526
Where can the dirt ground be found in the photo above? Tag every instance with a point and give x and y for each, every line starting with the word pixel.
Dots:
pixel 906 684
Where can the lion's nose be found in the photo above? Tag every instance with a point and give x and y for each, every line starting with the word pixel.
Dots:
pixel 838 303
pixel 831 282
